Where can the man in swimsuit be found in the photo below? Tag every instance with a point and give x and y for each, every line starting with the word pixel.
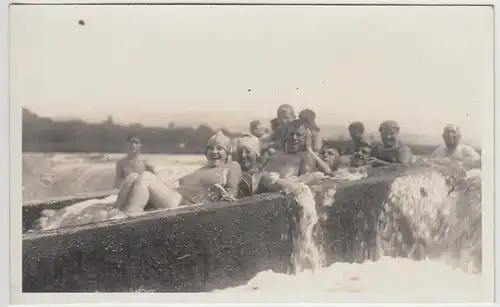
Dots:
pixel 356 131
pixel 195 188
pixel 454 150
pixel 392 150
pixel 309 117
pixel 285 115
pixel 328 161
pixel 361 157
pixel 295 160
pixel 132 163
pixel 256 129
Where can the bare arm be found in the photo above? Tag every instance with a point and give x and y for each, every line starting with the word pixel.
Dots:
pixel 405 155
pixel 471 154
pixel 437 153
pixel 275 185
pixel 321 165
pixel 234 176
pixel 118 175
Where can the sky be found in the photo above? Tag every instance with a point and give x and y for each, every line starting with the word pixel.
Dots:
pixel 424 67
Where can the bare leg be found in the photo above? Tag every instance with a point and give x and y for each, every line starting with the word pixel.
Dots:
pixel 124 192
pixel 149 187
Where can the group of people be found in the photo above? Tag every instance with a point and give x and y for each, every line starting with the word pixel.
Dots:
pixel 261 161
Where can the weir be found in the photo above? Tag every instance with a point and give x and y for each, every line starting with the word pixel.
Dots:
pixel 208 247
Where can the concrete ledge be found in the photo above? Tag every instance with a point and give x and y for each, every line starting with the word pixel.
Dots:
pixel 189 249
pixel 208 247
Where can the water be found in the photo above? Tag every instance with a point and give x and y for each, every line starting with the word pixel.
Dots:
pixel 445 223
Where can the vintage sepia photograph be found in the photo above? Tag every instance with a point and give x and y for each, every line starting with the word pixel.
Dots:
pixel 249 150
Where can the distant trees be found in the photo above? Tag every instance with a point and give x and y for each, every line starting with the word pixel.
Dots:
pixel 42 134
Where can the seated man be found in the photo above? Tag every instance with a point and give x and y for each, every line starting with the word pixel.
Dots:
pixel 309 118
pixel 361 157
pixel 295 160
pixel 329 159
pixel 195 188
pixel 132 163
pixel 285 115
pixel 392 150
pixel 356 131
pixel 454 150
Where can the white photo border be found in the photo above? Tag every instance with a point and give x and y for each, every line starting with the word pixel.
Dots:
pixel 11 164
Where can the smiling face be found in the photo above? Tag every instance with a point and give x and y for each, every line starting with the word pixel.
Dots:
pixel 216 155
pixel 361 156
pixel 389 137
pixel 330 155
pixel 247 158
pixel 295 138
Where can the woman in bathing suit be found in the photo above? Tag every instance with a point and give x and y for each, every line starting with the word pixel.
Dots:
pixel 254 180
pixel 195 188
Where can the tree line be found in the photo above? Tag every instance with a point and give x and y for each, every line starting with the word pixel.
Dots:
pixel 44 134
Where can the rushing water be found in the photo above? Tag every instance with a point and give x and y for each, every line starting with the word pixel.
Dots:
pixel 445 223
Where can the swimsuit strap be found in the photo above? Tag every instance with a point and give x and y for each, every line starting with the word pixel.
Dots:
pixel 248 184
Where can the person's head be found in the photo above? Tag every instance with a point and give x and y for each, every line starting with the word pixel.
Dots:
pixel 451 136
pixel 309 117
pixel 361 156
pixel 356 130
pixel 285 114
pixel 133 145
pixel 296 136
pixel 248 152
pixel 330 154
pixel 217 150
pixel 257 129
pixel 389 133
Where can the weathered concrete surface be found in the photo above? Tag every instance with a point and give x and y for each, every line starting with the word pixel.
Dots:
pixel 31 210
pixel 193 249
pixel 206 247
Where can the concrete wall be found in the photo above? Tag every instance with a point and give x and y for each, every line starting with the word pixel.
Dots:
pixel 193 249
pixel 204 248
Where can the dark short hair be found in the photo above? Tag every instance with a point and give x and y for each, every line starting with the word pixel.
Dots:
pixel 358 126
pixel 296 124
pixel 132 138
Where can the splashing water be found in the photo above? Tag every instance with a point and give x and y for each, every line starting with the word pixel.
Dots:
pixel 444 225
pixel 307 254
pixel 85 212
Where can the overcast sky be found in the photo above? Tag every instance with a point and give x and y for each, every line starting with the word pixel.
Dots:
pixel 422 66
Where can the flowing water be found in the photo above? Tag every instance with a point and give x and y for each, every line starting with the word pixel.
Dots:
pixel 446 224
